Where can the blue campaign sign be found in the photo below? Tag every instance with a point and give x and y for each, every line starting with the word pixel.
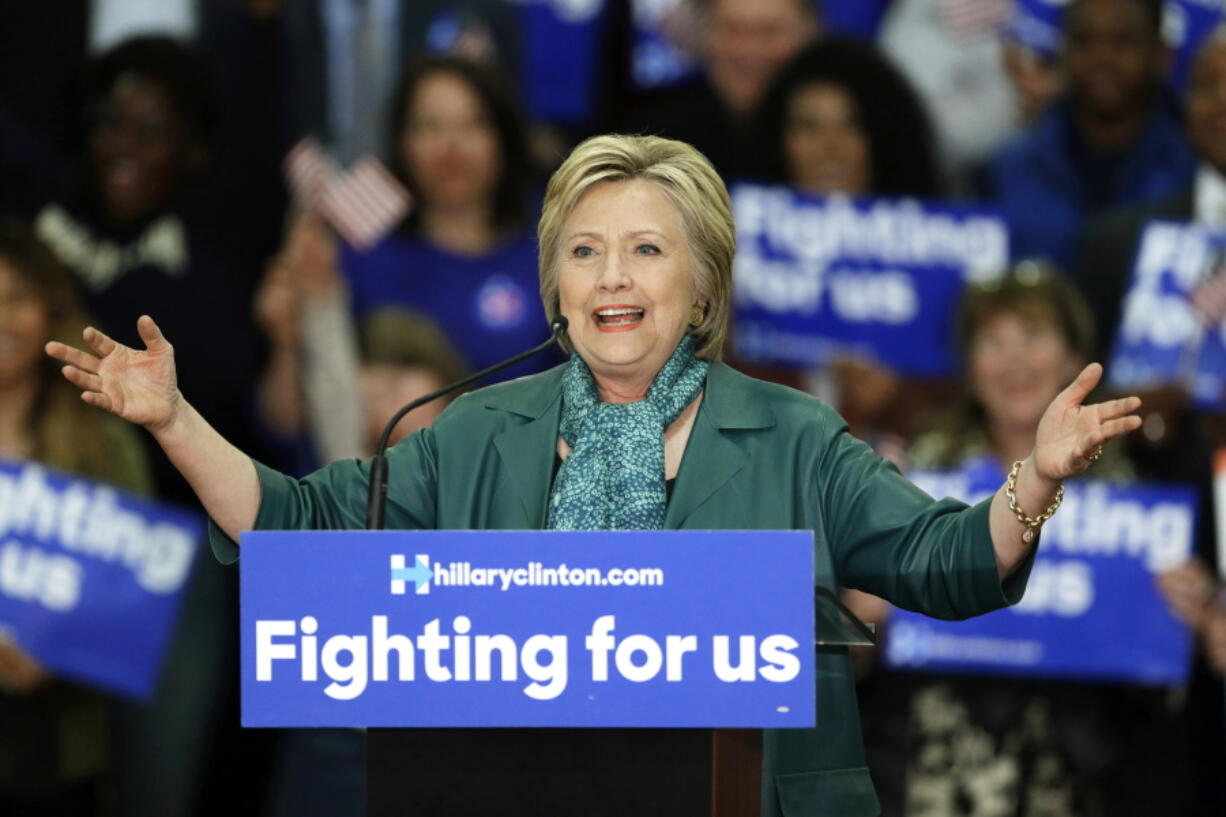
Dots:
pixel 91 577
pixel 880 278
pixel 528 628
pixel 1091 609
pixel 1162 338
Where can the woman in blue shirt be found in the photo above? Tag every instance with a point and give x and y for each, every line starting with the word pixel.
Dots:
pixel 465 257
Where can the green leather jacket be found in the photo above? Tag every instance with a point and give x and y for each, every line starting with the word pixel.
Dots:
pixel 759 456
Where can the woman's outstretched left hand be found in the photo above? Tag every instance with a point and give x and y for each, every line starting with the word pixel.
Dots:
pixel 1070 433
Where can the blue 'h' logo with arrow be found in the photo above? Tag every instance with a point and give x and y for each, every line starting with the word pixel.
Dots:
pixel 420 574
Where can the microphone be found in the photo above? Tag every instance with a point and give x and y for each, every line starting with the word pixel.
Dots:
pixel 376 500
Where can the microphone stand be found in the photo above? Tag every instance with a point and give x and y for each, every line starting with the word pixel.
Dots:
pixel 376 500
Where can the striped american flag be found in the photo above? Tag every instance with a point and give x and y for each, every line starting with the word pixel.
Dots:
pixel 1209 297
pixel 362 204
pixel 974 19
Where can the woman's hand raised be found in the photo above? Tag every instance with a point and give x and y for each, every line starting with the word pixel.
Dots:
pixel 139 386
pixel 1070 433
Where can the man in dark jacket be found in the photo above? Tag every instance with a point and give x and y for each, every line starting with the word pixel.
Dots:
pixel 1177 440
pixel 1112 140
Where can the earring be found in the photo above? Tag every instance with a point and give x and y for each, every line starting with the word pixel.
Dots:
pixel 697 313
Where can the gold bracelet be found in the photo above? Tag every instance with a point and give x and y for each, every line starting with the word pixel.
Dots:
pixel 1032 524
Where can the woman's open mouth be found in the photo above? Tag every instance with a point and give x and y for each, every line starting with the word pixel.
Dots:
pixel 618 318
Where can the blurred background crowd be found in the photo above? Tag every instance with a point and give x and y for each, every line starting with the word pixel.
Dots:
pixel 142 155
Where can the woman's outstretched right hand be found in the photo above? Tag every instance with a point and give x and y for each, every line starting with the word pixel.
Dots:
pixel 139 386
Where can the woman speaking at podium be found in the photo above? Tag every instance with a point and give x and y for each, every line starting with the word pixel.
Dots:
pixel 645 429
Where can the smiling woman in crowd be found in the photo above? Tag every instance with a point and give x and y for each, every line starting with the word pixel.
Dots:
pixel 841 119
pixel 644 429
pixel 1021 339
pixel 1074 747
pixel 466 256
pixel 55 756
pixel 173 202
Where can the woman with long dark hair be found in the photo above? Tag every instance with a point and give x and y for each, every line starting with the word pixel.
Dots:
pixel 54 745
pixel 466 256
pixel 840 119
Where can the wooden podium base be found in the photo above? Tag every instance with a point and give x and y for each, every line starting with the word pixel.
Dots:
pixel 736 773
pixel 563 772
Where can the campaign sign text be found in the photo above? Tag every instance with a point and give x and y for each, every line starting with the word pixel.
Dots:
pixel 1162 337
pixel 879 278
pixel 1091 610
pixel 90 577
pixel 528 628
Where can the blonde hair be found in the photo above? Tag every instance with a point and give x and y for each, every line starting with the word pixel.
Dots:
pixel 691 184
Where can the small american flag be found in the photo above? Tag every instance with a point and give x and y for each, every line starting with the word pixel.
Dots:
pixel 1209 297
pixel 974 19
pixel 362 204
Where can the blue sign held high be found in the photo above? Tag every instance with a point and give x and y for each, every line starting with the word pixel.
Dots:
pixel 1091 609
pixel 525 628
pixel 1035 25
pixel 90 576
pixel 1163 337
pixel 881 278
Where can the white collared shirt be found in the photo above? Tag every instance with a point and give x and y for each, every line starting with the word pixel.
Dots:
pixel 1210 201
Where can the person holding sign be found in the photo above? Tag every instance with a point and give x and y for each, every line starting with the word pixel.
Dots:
pixel 840 120
pixel 644 428
pixel 53 733
pixel 1021 339
pixel 1181 428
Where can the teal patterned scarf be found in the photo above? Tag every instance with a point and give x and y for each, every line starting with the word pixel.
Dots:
pixel 614 476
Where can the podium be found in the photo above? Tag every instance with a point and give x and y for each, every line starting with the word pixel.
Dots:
pixel 670 652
